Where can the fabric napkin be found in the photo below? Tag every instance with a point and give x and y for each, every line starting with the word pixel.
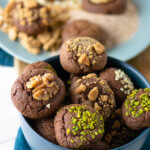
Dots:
pixel 5 58
pixel 20 143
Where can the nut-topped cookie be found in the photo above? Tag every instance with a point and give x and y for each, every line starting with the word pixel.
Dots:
pixel 83 28
pixel 83 55
pixel 104 6
pixel 91 90
pixel 78 126
pixel 39 65
pixel 31 17
pixel 119 82
pixel 45 127
pixel 38 93
pixel 136 109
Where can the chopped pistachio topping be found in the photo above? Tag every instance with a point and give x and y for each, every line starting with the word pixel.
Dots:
pixel 85 123
pixel 137 105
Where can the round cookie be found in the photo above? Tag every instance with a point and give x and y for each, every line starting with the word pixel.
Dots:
pixel 136 109
pixel 39 65
pixel 38 93
pixel 83 28
pixel 78 126
pixel 91 90
pixel 119 82
pixel 105 6
pixel 45 127
pixel 31 17
pixel 82 55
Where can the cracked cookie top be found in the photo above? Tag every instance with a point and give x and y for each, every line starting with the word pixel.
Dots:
pixel 94 91
pixel 37 93
pixel 78 126
pixel 83 55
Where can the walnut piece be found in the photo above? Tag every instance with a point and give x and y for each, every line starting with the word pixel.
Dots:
pixel 97 107
pixel 44 87
pixel 93 94
pixel 10 6
pixel 99 48
pixel 44 37
pixel 80 88
pixel 83 59
pixel 102 82
pixel 91 75
pixel 12 33
pixel 30 3
pixel 100 1
pixel 104 98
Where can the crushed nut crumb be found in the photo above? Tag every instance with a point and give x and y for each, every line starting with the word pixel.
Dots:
pixel 93 94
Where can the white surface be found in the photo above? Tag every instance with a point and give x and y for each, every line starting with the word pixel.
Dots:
pixel 9 120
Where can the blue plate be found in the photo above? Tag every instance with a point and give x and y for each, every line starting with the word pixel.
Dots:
pixel 123 51
pixel 36 142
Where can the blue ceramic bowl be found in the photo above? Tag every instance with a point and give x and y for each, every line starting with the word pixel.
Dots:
pixel 36 142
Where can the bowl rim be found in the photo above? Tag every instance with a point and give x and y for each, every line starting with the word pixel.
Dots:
pixel 126 65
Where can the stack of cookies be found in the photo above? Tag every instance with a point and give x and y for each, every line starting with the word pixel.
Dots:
pixel 89 111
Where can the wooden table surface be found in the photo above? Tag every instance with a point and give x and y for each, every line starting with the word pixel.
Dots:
pixel 141 63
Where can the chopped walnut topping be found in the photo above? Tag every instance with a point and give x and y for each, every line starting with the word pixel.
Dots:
pixel 28 12
pixel 97 107
pixel 100 1
pixel 48 77
pixel 43 12
pixel 80 88
pixel 93 94
pixel 10 6
pixel 12 33
pixel 102 82
pixel 99 48
pixel 30 3
pixel 44 37
pixel 34 81
pixel 91 75
pixel 104 97
pixel 44 87
pixel 84 60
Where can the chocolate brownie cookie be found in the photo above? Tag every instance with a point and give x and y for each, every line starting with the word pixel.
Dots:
pixel 104 6
pixel 82 28
pixel 82 55
pixel 136 109
pixel 31 17
pixel 45 127
pixel 91 90
pixel 38 93
pixel 78 126
pixel 39 65
pixel 119 82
